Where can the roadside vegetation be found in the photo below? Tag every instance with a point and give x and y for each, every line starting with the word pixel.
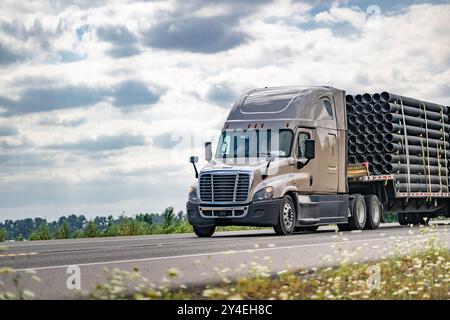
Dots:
pixel 78 226
pixel 390 217
pixel 424 273
pixel 2 235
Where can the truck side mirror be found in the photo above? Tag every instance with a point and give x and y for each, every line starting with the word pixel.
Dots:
pixel 194 160
pixel 269 159
pixel 310 149
pixel 208 151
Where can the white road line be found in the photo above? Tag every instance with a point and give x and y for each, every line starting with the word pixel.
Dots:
pixel 209 254
pixel 18 254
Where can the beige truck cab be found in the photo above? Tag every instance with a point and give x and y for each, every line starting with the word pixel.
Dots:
pixel 280 162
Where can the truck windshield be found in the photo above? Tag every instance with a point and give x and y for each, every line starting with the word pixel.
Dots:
pixel 239 143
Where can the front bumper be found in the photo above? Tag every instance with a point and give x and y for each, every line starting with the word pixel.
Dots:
pixel 259 214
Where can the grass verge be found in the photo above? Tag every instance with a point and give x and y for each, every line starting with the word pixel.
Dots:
pixel 424 273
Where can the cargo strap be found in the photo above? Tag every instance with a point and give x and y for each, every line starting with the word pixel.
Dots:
pixel 428 149
pixel 439 166
pixel 424 162
pixel 405 133
pixel 445 148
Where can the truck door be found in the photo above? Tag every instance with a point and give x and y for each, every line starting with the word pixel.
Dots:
pixel 332 164
pixel 303 179
pixel 306 177
pixel 330 150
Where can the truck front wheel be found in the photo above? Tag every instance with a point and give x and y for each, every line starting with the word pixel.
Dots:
pixel 286 218
pixel 204 232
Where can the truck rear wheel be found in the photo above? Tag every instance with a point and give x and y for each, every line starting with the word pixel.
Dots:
pixel 374 212
pixel 204 232
pixel 287 217
pixel 359 215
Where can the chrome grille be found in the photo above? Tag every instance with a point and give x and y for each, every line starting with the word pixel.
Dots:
pixel 229 187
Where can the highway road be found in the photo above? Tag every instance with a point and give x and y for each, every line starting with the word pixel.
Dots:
pixel 227 255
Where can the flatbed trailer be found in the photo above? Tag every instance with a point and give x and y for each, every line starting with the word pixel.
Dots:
pixel 411 207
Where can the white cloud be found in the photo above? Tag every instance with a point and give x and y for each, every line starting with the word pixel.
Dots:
pixel 289 43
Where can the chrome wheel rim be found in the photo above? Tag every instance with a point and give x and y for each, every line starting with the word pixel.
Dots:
pixel 360 213
pixel 288 216
pixel 376 212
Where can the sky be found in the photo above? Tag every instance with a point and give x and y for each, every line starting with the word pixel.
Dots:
pixel 102 102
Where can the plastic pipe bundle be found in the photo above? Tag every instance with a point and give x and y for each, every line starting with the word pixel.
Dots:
pixel 402 136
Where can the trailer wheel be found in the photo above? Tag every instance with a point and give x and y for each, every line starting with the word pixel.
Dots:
pixel 374 212
pixel 287 217
pixel 204 232
pixel 402 219
pixel 419 219
pixel 359 215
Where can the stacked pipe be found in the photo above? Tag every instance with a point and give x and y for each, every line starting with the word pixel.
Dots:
pixel 402 136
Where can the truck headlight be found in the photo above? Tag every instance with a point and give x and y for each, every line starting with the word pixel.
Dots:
pixel 193 196
pixel 265 193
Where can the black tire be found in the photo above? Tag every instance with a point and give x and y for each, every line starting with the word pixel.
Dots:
pixel 402 219
pixel 204 232
pixel 359 215
pixel 374 212
pixel 420 219
pixel 286 217
pixel 343 227
pixel 307 229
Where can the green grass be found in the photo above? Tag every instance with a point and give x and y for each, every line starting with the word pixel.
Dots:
pixel 126 226
pixel 130 227
pixel 185 227
pixel 422 274
pixel 390 217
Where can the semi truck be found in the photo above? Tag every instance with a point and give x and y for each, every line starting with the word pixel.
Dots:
pixel 282 161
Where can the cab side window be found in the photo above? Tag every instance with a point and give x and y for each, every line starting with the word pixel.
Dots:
pixel 302 137
pixel 328 108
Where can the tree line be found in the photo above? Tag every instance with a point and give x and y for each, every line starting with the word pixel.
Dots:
pixel 78 226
